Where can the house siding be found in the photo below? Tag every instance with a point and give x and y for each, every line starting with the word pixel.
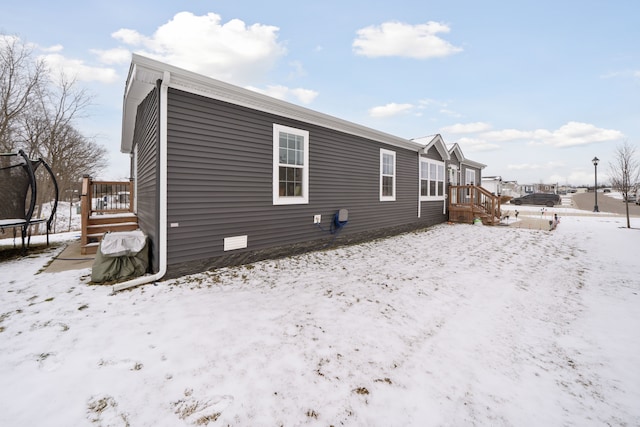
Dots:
pixel 146 138
pixel 454 160
pixel 220 185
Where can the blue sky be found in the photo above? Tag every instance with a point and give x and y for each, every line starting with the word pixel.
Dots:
pixel 533 89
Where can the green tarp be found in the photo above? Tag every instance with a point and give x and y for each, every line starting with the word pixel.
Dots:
pixel 125 264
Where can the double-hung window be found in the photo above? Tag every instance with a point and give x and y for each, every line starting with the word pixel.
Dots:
pixel 470 177
pixel 387 175
pixel 290 165
pixel 432 179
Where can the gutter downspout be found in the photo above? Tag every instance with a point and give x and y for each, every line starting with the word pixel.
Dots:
pixel 419 185
pixel 142 280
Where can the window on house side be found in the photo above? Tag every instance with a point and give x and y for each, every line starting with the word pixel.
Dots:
pixel 387 175
pixel 431 179
pixel 470 177
pixel 290 165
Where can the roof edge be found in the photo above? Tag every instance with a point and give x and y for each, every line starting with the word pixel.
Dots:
pixel 145 71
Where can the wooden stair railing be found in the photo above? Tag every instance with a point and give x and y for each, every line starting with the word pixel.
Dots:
pixel 468 202
pixel 105 206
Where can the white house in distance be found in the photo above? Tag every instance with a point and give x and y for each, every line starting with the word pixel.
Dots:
pixel 493 184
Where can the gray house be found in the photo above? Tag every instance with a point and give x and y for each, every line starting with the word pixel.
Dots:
pixel 225 175
pixel 463 171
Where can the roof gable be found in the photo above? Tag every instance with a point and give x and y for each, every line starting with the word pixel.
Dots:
pixel 435 141
pixel 455 150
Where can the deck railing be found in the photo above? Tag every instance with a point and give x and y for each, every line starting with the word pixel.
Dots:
pixel 469 202
pixel 100 198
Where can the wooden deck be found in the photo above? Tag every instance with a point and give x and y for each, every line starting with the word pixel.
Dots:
pixel 105 206
pixel 469 202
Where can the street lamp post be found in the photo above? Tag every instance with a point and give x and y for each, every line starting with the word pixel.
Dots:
pixel 595 166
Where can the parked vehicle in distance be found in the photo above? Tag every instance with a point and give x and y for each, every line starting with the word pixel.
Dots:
pixel 546 199
pixel 631 198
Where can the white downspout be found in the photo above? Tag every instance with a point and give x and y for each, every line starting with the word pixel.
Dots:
pixel 419 185
pixel 162 238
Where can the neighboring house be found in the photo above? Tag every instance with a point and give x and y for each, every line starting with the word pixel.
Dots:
pixel 493 184
pixel 511 189
pixel 225 175
pixel 539 188
pixel 463 171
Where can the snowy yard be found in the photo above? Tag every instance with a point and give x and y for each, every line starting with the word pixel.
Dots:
pixel 456 325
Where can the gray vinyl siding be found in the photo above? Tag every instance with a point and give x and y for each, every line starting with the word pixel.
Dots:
pixel 433 154
pixel 220 181
pixel 454 160
pixel 146 137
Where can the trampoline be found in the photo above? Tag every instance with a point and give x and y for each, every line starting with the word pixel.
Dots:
pixel 19 194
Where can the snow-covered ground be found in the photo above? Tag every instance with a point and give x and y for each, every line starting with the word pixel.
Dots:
pixel 455 325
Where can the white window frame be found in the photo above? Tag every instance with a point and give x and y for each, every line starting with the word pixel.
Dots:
pixel 425 165
pixel 470 173
pixel 290 200
pixel 384 198
pixel 454 175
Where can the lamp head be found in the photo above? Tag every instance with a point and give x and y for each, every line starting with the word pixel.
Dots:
pixel 595 161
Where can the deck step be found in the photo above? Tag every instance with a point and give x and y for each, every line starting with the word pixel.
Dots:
pixel 111 219
pixel 89 248
pixel 100 229
pixel 100 225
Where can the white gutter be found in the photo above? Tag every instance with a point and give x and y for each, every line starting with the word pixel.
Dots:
pixel 162 244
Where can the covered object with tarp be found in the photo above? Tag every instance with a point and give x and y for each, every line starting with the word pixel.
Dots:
pixel 121 255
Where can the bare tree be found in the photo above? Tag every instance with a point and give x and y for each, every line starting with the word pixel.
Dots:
pixel 48 132
pixel 20 78
pixel 38 112
pixel 624 173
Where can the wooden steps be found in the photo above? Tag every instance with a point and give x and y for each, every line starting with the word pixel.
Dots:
pixel 467 203
pixel 97 225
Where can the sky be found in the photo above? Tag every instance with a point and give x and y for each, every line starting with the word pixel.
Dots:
pixel 479 337
pixel 533 89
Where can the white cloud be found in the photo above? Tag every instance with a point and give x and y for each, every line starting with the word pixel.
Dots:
pixel 424 103
pixel 229 51
pixel 450 113
pixel 113 56
pixel 390 110
pixel 58 64
pixel 53 49
pixel 569 135
pixel 400 39
pixel 130 37
pixel 78 69
pixel 508 135
pixel 624 73
pixel 535 166
pixel 298 70
pixel 467 128
pixel 304 96
pixel 576 133
pixel 476 144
